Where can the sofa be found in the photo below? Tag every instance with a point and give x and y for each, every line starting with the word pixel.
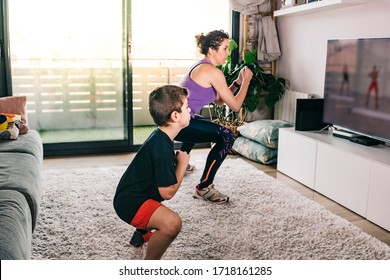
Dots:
pixel 21 161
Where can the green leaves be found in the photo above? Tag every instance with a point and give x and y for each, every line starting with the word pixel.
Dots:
pixel 252 100
pixel 250 57
pixel 261 84
pixel 276 89
pixel 232 45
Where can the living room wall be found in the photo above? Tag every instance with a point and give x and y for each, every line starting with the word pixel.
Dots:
pixel 303 39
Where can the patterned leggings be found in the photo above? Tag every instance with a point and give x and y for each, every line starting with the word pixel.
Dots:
pixel 201 131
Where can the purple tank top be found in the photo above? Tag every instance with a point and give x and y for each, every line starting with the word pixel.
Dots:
pixel 198 96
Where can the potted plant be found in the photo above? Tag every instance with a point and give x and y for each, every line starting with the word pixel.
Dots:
pixel 262 85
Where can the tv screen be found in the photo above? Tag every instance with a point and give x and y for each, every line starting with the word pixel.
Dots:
pixel 357 86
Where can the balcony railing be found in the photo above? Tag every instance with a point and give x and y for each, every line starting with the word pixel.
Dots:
pixel 73 98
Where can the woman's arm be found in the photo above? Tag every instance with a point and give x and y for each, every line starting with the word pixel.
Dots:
pixel 233 88
pixel 207 75
pixel 225 93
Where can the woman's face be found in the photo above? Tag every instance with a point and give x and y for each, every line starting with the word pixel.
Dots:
pixel 222 53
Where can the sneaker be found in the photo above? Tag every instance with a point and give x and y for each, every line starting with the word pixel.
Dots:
pixel 210 193
pixel 190 169
pixel 138 239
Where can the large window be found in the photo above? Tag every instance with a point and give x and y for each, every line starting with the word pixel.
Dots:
pixel 67 58
pixel 83 63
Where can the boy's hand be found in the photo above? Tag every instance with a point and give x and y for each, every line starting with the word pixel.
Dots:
pixel 183 158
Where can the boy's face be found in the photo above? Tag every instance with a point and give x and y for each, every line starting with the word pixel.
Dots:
pixel 185 113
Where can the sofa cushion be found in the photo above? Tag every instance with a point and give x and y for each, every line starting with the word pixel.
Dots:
pixel 265 132
pixel 254 150
pixel 15 105
pixel 29 143
pixel 15 225
pixel 22 172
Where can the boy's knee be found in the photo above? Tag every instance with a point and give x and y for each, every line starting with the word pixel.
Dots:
pixel 177 224
pixel 174 225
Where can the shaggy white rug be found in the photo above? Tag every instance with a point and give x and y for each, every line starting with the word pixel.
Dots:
pixel 265 219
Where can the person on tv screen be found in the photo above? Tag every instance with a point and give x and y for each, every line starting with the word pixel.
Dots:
pixel 345 81
pixel 373 86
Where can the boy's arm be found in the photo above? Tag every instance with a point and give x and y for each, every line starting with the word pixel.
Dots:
pixel 167 192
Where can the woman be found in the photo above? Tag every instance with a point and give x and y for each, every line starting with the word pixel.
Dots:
pixel 207 84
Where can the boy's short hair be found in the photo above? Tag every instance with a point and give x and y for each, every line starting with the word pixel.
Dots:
pixel 164 100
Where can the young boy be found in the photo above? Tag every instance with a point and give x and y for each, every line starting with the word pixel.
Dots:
pixel 155 174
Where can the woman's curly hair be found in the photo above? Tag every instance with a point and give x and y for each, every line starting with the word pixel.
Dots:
pixel 212 40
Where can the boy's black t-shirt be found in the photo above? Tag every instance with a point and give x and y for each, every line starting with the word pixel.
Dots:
pixel 152 167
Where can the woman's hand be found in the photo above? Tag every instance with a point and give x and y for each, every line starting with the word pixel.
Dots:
pixel 245 75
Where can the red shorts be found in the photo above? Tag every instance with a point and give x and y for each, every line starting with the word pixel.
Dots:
pixel 141 219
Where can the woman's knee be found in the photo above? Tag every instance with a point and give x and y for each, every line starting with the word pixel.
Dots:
pixel 228 136
pixel 229 139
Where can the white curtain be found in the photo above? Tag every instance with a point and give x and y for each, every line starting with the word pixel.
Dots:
pixel 267 38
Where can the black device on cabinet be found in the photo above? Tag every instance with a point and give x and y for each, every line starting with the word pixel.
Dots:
pixel 309 114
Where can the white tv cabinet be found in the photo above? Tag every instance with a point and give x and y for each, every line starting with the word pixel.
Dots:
pixel 354 175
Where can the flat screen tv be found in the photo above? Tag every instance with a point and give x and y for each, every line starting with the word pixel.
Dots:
pixel 357 86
